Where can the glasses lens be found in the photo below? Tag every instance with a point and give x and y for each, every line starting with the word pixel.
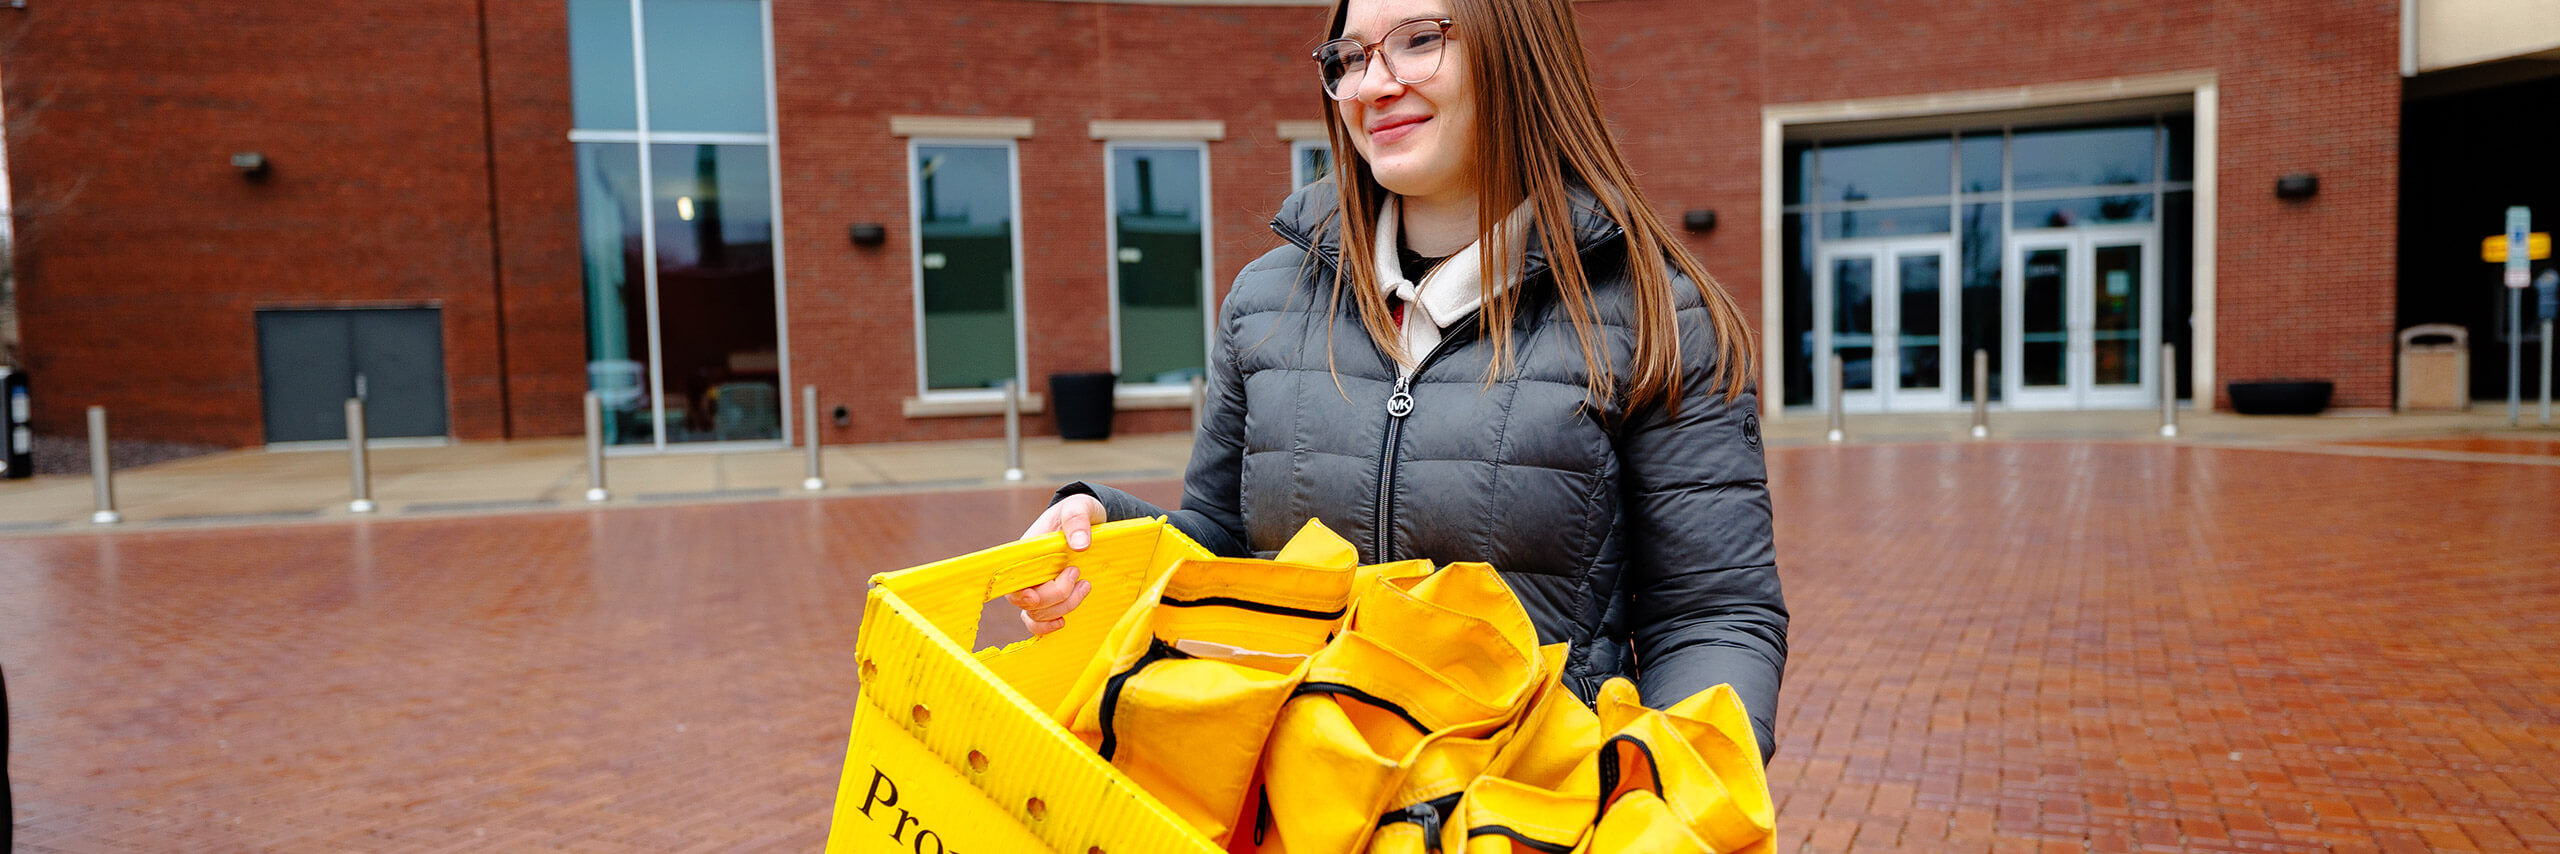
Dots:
pixel 1413 50
pixel 1340 63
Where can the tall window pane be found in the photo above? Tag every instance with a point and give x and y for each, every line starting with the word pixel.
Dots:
pixel 1157 239
pixel 721 363
pixel 706 65
pixel 964 235
pixel 617 300
pixel 601 94
pixel 1309 162
pixel 1981 169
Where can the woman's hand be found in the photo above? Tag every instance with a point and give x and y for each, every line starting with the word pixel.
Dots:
pixel 1044 607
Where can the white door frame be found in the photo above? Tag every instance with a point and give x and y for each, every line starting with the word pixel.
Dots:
pixel 1883 393
pixel 2079 389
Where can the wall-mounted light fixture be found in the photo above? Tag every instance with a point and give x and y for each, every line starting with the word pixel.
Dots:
pixel 843 416
pixel 252 165
pixel 2297 186
pixel 869 234
pixel 1698 220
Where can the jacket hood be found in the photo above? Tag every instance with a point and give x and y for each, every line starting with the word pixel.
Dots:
pixel 1307 219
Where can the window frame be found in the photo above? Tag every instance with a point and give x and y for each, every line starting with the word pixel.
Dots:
pixel 1111 253
pixel 915 266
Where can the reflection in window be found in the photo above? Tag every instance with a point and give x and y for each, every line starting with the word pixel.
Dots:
pixel 1980 153
pixel 1888 222
pixel 1980 298
pixel 719 349
pixel 2081 157
pixel 2094 210
pixel 617 304
pixel 1853 321
pixel 600 62
pixel 1885 170
pixel 1158 243
pixel 964 241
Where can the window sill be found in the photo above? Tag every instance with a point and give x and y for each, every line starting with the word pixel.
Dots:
pixel 966 404
pixel 1136 397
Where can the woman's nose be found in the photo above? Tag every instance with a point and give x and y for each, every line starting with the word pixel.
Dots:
pixel 1376 82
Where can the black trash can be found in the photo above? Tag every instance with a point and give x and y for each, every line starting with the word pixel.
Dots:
pixel 1083 404
pixel 17 430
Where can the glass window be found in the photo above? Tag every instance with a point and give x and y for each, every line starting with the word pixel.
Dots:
pixel 964 214
pixel 1980 295
pixel 601 94
pixel 2092 210
pixel 2181 131
pixel 693 221
pixel 706 65
pixel 1885 170
pixel 609 241
pixel 1160 250
pixel 2081 157
pixel 1309 161
pixel 1799 160
pixel 1980 151
pixel 1884 222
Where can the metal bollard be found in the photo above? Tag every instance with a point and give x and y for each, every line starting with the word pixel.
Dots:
pixel 1013 429
pixel 356 463
pixel 2168 391
pixel 595 448
pixel 1839 420
pixel 100 473
pixel 1200 401
pixel 1981 393
pixel 817 479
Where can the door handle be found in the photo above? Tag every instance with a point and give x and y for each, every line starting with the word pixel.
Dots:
pixel 360 386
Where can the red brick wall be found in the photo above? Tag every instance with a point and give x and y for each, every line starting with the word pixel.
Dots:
pixel 1060 64
pixel 144 253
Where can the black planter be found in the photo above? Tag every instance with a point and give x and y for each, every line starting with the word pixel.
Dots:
pixel 2281 397
pixel 1083 404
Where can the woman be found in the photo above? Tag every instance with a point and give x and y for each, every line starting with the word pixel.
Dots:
pixel 1417 367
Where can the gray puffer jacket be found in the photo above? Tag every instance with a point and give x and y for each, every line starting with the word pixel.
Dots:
pixel 1641 536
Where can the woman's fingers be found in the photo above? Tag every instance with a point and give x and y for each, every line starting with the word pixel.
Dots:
pixel 1045 606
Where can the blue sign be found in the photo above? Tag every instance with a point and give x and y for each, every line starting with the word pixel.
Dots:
pixel 2548 285
pixel 2519 235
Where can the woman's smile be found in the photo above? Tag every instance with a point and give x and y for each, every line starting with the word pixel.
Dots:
pixel 1388 130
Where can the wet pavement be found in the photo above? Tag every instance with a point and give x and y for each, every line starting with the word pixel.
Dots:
pixel 2005 646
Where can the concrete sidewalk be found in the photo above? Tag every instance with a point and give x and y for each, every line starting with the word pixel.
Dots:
pixel 258 486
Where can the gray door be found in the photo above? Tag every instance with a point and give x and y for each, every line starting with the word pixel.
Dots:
pixel 311 361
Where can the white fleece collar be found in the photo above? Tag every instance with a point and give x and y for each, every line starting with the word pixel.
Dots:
pixel 1448 293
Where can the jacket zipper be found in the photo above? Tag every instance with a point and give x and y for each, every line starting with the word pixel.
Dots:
pixel 1399 405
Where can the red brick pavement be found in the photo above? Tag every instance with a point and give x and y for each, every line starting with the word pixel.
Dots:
pixel 1998 647
pixel 2525 444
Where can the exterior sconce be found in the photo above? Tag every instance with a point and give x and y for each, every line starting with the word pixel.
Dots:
pixel 869 234
pixel 1698 220
pixel 2297 186
pixel 252 165
pixel 843 416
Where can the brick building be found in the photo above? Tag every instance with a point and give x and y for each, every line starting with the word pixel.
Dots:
pixel 232 215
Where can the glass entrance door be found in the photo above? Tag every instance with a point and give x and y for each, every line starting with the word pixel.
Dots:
pixel 2083 318
pixel 1885 308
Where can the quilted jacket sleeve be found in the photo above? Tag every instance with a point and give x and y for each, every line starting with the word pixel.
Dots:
pixel 1702 578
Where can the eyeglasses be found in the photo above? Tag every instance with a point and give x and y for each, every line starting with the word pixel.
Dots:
pixel 1411 52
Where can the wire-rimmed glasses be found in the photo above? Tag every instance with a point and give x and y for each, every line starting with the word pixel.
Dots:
pixel 1411 51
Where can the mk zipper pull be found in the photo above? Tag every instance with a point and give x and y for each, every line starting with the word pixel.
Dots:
pixel 1400 404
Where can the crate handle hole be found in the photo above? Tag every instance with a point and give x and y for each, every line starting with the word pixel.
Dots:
pixel 1097 849
pixel 1038 809
pixel 977 761
pixel 870 670
pixel 921 715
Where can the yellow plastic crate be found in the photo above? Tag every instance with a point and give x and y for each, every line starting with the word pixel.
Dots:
pixel 953 752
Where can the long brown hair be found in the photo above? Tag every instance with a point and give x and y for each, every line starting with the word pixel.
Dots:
pixel 1539 131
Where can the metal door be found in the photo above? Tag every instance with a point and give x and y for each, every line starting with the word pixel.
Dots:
pixel 311 361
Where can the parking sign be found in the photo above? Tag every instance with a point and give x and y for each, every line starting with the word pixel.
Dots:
pixel 2519 262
